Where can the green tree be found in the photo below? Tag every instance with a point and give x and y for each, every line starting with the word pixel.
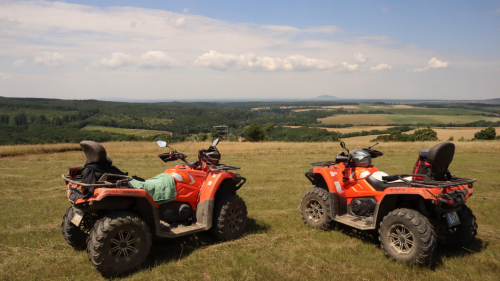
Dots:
pixel 254 133
pixel 232 137
pixel 486 134
pixel 202 137
pixel 451 138
pixel 269 127
pixel 214 134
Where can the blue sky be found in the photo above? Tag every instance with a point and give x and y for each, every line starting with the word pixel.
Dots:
pixel 250 49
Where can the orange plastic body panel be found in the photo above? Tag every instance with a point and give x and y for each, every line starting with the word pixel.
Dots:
pixel 100 193
pixel 192 186
pixel 357 186
pixel 188 183
pixel 212 183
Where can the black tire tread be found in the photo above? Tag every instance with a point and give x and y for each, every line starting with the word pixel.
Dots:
pixel 324 197
pixel 221 208
pixel 72 233
pixel 425 232
pixel 102 229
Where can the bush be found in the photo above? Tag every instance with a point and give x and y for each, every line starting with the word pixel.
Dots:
pixel 486 134
pixel 254 133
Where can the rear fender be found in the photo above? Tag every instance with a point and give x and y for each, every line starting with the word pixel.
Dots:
pixel 328 178
pixel 393 201
pixel 213 182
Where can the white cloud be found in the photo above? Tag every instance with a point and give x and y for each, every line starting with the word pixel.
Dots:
pixel 358 57
pixel 52 60
pixel 252 62
pixel 348 67
pixel 434 63
pixel 5 76
pixel 151 59
pixel 382 66
pixel 323 29
pixel 18 63
pixel 180 22
pixel 185 10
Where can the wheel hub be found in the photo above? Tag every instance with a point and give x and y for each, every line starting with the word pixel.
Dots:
pixel 314 210
pixel 123 245
pixel 401 239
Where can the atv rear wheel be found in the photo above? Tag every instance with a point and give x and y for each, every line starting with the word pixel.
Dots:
pixel 407 236
pixel 230 217
pixel 464 234
pixel 315 208
pixel 75 235
pixel 119 243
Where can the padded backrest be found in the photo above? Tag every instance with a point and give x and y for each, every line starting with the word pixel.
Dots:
pixel 94 152
pixel 440 156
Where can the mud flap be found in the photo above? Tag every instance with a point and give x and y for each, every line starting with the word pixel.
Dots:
pixel 334 207
pixel 204 213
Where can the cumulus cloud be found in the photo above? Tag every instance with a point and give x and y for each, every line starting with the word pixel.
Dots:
pixel 358 57
pixel 151 59
pixel 185 10
pixel 434 63
pixel 18 63
pixel 52 60
pixel 180 22
pixel 381 66
pixel 252 62
pixel 348 67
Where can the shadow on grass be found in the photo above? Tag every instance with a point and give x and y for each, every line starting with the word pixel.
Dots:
pixel 166 250
pixel 442 251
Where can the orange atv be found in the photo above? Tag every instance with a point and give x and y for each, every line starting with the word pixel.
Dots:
pixel 114 216
pixel 412 212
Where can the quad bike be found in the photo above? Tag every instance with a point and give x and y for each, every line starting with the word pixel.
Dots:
pixel 412 212
pixel 115 222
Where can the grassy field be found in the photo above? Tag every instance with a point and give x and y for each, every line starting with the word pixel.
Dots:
pixel 277 245
pixel 137 132
pixel 15 150
pixel 384 119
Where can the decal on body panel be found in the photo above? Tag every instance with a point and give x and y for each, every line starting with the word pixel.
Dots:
pixel 338 187
pixel 364 174
pixel 177 177
pixel 333 174
pixel 192 180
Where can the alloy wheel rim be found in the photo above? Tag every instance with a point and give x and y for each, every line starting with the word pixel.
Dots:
pixel 123 245
pixel 314 210
pixel 401 239
pixel 233 218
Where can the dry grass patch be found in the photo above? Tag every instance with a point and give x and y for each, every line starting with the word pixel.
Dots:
pixel 276 246
pixel 357 119
pixel 14 150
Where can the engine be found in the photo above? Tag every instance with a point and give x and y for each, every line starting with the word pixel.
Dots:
pixel 363 206
pixel 174 212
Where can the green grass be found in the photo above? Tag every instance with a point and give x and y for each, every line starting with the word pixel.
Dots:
pixel 125 131
pixel 277 245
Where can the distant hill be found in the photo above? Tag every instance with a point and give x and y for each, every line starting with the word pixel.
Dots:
pixel 327 97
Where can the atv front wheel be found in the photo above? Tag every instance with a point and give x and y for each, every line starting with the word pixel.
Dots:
pixel 315 208
pixel 230 217
pixel 75 235
pixel 464 234
pixel 119 243
pixel 407 236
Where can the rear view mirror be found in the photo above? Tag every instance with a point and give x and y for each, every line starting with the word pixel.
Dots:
pixel 215 142
pixel 162 143
pixel 342 144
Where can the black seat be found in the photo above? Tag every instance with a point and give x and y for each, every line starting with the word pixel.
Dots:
pixel 381 185
pixel 440 157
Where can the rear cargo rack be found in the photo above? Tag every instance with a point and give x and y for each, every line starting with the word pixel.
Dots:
pixel 102 182
pixel 430 183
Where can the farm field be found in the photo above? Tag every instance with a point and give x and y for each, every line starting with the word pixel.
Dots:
pixel 277 245
pixel 384 119
pixel 137 132
pixel 351 129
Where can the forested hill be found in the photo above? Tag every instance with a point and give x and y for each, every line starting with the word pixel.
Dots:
pixel 33 120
